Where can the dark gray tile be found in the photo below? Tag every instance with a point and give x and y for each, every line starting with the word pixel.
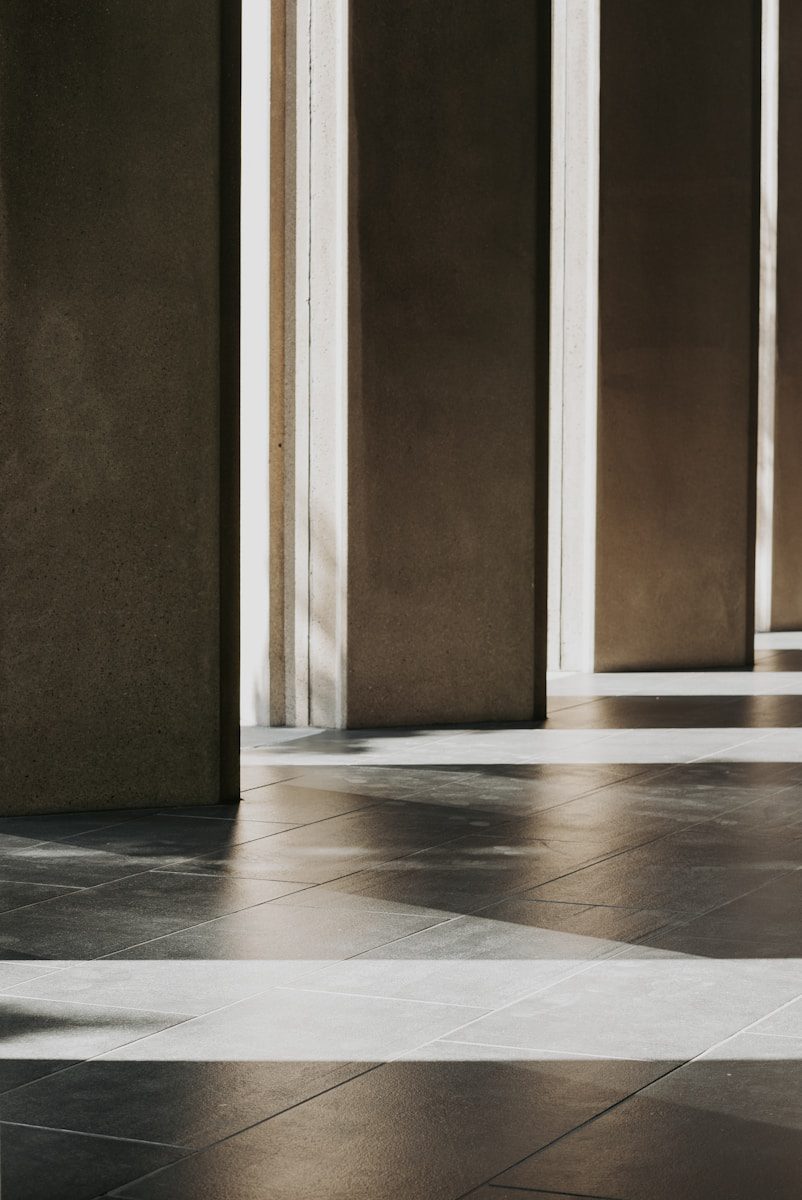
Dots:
pixel 299 805
pixel 341 845
pixel 20 895
pixel 96 921
pixel 46 1164
pixel 16 1072
pixel 185 1103
pixel 408 1129
pixel 53 827
pixel 712 1128
pixel 252 776
pixel 687 872
pixel 502 1193
pixel 458 877
pixel 765 921
pixel 282 936
pixel 67 864
pixel 171 836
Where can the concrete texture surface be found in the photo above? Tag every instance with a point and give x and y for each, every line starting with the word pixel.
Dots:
pixel 109 350
pixel 678 333
pixel 787 550
pixel 444 454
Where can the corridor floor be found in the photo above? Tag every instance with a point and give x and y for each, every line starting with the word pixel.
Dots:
pixel 415 965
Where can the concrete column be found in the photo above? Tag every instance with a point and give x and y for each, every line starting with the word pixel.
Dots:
pixel 446 451
pixel 786 607
pixel 679 205
pixel 118 357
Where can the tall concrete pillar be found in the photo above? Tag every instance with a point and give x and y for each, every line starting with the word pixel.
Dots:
pixel 786 603
pixel 678 333
pixel 118 353
pixel 448 361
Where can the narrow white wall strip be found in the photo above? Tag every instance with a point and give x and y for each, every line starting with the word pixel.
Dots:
pixel 254 570
pixel 764 534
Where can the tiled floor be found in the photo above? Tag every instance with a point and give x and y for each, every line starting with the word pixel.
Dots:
pixel 489 963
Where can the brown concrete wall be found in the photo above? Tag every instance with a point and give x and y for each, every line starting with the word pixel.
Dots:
pixel 678 333
pixel 110 361
pixel 446 445
pixel 787 548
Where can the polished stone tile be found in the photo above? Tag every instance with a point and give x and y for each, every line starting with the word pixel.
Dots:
pixel 283 937
pixel 172 836
pixel 501 1193
pixel 187 986
pixel 100 920
pixel 68 864
pixel 48 1164
pixel 38 1033
pixel 53 827
pixel 507 952
pixel 643 1005
pixel 459 877
pixel 687 872
pixel 258 776
pixel 20 895
pixel 411 1129
pixel 765 920
pixel 327 850
pixel 184 1103
pixel 785 1022
pixel 298 805
pixel 290 1024
pixel 726 1127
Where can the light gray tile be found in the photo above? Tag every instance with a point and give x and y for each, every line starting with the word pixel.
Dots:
pixel 644 1005
pixel 292 1025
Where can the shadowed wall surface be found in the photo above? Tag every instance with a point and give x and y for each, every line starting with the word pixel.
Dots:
pixel 787 556
pixel 109 353
pixel 444 454
pixel 678 333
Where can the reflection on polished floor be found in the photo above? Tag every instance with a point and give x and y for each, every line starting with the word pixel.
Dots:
pixel 563 961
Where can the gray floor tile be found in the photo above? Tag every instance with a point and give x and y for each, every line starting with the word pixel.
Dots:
pixel 69 864
pixel 433 1130
pixel 289 1024
pixel 258 776
pixel 100 920
pixel 728 1127
pixel 185 1103
pixel 459 877
pixel 20 895
pixel 46 1164
pixel 341 845
pixel 186 986
pixel 280 935
pixel 487 961
pixel 299 805
pixel 42 1032
pixel 171 836
pixel 686 873
pixel 502 1193
pixel 786 1022
pixel 53 827
pixel 765 920
pixel 644 1005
